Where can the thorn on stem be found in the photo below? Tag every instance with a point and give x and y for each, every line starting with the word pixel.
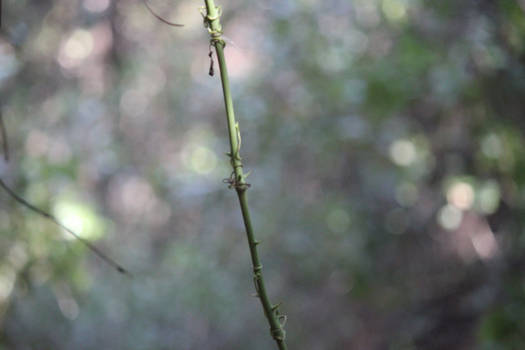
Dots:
pixel 276 306
pixel 282 320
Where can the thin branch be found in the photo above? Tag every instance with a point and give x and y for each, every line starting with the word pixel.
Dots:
pixel 159 17
pixel 237 179
pixel 3 132
pixel 52 218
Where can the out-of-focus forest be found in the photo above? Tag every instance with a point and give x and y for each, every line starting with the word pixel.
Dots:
pixel 385 140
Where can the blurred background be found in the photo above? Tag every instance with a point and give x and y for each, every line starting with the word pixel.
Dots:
pixel 385 140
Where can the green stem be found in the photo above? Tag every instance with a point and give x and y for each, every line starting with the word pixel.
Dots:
pixel 238 178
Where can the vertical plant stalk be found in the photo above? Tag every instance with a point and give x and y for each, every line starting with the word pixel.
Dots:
pixel 237 180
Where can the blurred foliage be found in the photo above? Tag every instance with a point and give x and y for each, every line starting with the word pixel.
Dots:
pixel 385 140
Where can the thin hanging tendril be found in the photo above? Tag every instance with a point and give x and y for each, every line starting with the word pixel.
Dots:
pixel 211 71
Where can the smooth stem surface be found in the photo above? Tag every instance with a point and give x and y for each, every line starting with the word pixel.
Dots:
pixel 238 178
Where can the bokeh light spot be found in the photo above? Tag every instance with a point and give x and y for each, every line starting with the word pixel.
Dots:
pixel 403 152
pixel 450 217
pixel 406 194
pixel 461 195
pixel 491 146
pixel 201 160
pixel 485 244
pixel 79 218
pixel 68 307
pixel 394 10
pixel 96 5
pixel 488 197
pixel 76 48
